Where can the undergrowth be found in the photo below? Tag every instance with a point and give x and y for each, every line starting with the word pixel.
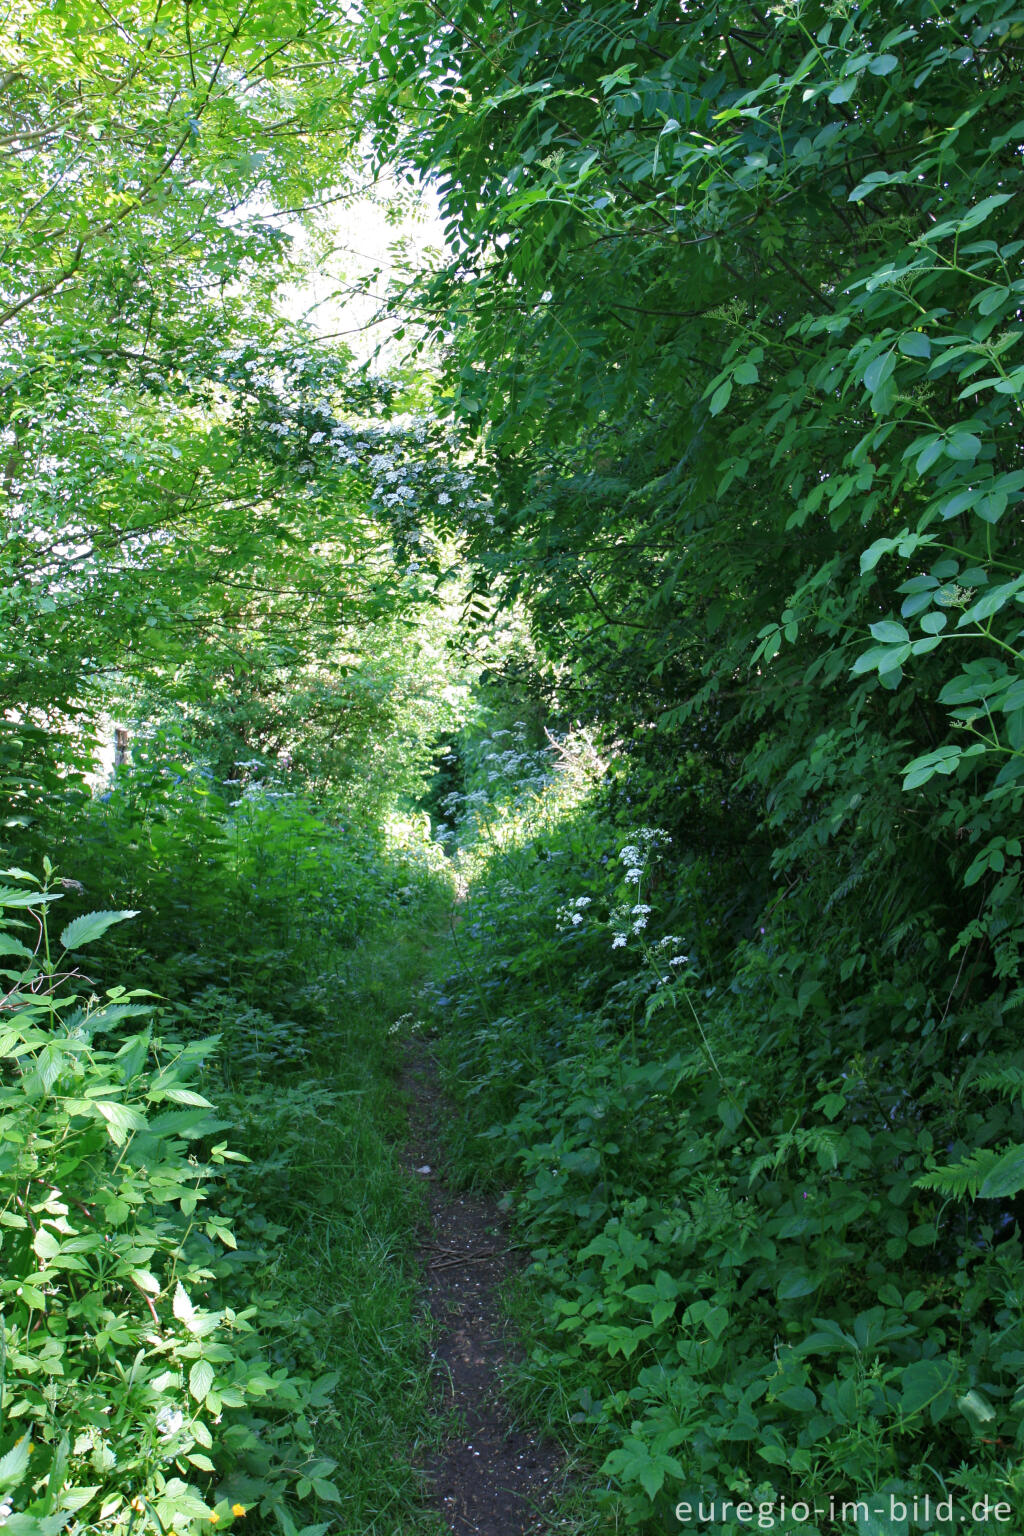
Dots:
pixel 763 1269
pixel 208 1299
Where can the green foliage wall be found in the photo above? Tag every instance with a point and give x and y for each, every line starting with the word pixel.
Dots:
pixel 734 311
pixel 735 303
pixel 755 1275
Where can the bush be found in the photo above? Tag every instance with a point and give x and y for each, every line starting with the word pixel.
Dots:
pixel 133 1377
pixel 738 1162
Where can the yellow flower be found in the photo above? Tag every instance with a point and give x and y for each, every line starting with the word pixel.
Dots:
pixel 214 1517
pixel 138 1505
pixel 238 1510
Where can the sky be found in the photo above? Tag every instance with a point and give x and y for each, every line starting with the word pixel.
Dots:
pixel 343 292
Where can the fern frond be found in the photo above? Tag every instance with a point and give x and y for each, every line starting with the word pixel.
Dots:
pixel 1008 1080
pixel 961 1179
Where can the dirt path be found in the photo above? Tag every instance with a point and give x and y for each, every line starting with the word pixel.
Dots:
pixel 490 1480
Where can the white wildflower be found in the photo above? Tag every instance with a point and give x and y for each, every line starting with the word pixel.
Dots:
pixel 619 941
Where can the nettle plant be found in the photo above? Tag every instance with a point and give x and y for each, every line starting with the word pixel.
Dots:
pixel 132 1393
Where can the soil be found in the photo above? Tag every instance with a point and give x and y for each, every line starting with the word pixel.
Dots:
pixel 490 1479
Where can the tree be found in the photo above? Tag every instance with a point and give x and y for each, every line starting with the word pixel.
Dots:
pixel 734 304
pixel 197 491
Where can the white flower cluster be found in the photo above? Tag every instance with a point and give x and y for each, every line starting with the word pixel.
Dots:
pixel 514 776
pixel 412 463
pixel 571 916
pixel 671 941
pixel 626 920
pixel 636 855
pixel 648 840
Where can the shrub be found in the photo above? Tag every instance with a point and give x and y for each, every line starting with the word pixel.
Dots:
pixel 136 1386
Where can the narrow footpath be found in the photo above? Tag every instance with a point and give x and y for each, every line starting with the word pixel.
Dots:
pixel 488 1479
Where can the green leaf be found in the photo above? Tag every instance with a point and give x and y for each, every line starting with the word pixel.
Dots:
pixel 1005 1177
pixel 963 446
pixel 180 1096
pixel 720 398
pixel 92 925
pixel 878 371
pixel 774 1455
pixel 976 1406
pixel 45 1244
pixel 183 1309
pixel 843 91
pixel 889 633
pixel 121 1119
pixel 974 216
pixel 914 344
pixel 931 451
pixel 980 212
pixel 716 1320
pixel 923 1383
pixel 9 945
pixel 14 1464
pixel 200 1379
pixel 871 659
pixel 651 1477
pixel 993 600
pixel 959 503
pixel 9 897
pixel 943 760
pixel 794 1283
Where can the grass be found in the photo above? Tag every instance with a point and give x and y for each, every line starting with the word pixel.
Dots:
pixel 325 1143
